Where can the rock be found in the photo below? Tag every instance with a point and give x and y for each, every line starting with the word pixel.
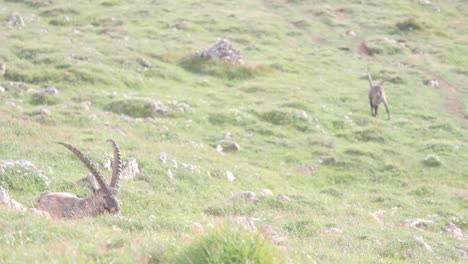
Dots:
pixel 50 91
pixel 432 83
pixel 378 215
pixel 163 157
pixel 197 227
pixel 246 196
pixel 16 20
pixel 2 90
pixel 189 167
pixel 107 164
pixel 455 231
pixel 86 105
pixel 219 148
pixel 230 177
pixel 89 182
pixel 306 171
pixel 351 33
pixel 334 230
pixel 27 165
pixel 233 147
pixel 44 112
pixel 271 234
pixel 283 198
pixel 131 171
pixel 144 63
pixel 222 49
pixel 418 224
pixel 39 212
pixel 347 119
pixel 421 240
pixel 8 202
pixel 265 193
pixel 2 69
pixel 245 222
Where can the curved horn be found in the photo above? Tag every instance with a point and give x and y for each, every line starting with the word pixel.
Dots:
pixel 370 80
pixel 382 82
pixel 88 165
pixel 116 165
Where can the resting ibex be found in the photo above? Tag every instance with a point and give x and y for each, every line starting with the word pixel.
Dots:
pixel 68 205
pixel 377 96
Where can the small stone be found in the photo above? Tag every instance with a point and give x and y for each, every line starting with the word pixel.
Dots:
pixel 222 49
pixel 86 105
pixel 3 68
pixel 334 230
pixel 245 222
pixel 144 63
pixel 230 176
pixel 169 174
pixel 284 198
pixel 163 157
pixel 39 212
pixel 16 20
pixel 455 147
pixel 271 234
pixel 455 231
pixel 347 119
pixel 421 240
pixel 233 147
pixel 8 202
pixel 265 193
pixel 2 90
pixel 50 91
pixel 197 227
pixel 432 83
pixel 45 112
pixel 351 33
pixel 131 171
pixel 418 224
pixel 174 164
pixel 246 196
pixel 219 148
pixel 107 164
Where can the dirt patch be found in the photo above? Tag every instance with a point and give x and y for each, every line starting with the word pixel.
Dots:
pixel 454 105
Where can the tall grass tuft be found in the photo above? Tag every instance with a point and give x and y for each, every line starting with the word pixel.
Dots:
pixel 229 246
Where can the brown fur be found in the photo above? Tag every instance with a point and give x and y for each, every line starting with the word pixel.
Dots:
pixel 377 96
pixel 68 205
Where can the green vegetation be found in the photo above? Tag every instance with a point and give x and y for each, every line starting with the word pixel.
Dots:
pixel 230 246
pixel 297 108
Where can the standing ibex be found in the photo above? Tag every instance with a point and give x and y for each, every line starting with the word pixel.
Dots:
pixel 68 205
pixel 377 96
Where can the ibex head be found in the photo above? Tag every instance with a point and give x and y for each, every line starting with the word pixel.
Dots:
pixel 103 201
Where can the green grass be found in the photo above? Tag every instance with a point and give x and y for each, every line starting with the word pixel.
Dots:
pixel 299 101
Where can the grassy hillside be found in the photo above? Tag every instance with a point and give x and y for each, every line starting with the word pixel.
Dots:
pixel 298 108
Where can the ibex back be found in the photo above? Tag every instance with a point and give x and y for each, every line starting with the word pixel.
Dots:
pixel 68 205
pixel 377 96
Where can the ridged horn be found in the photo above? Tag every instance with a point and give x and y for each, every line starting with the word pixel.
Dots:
pixel 116 165
pixel 87 162
pixel 370 80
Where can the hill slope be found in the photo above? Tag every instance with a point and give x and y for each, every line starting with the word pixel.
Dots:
pixel 298 108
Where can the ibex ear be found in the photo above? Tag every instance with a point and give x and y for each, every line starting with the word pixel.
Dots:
pixel 116 166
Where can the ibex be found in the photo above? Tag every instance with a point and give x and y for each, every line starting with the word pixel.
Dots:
pixel 377 96
pixel 104 200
